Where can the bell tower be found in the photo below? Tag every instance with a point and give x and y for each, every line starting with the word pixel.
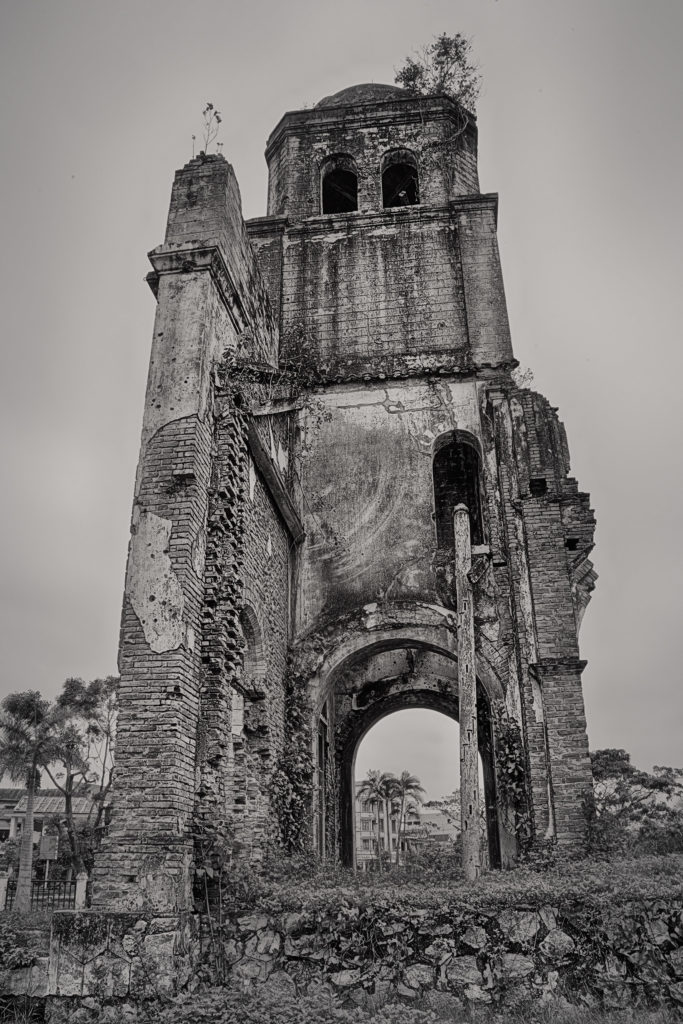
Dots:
pixel 344 506
pixel 381 258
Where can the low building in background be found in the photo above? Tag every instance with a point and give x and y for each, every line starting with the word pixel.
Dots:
pixel 9 798
pixel 48 804
pixel 430 827
pixel 422 828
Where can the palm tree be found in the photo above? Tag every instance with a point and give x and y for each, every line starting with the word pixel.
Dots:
pixel 406 787
pixel 28 728
pixel 377 789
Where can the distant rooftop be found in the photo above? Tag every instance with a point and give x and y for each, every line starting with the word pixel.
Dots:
pixel 53 802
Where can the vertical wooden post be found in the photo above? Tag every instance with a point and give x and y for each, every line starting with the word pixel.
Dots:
pixel 467 689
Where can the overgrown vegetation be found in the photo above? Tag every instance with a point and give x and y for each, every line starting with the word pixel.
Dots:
pixel 297 882
pixel 445 66
pixel 224 1006
pixel 511 776
pixel 291 783
pixel 14 950
pixel 631 811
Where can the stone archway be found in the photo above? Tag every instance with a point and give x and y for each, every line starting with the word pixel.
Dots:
pixel 325 659
pixel 384 677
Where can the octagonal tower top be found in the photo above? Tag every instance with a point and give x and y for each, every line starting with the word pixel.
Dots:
pixel 361 131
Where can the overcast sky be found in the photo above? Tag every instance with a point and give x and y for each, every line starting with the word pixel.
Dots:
pixel 580 134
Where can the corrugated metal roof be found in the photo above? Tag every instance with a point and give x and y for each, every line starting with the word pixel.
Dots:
pixel 53 802
pixel 10 796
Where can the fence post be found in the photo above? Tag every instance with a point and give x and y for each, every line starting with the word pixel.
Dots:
pixel 4 880
pixel 81 886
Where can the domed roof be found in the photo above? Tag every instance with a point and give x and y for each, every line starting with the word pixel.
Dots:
pixel 369 92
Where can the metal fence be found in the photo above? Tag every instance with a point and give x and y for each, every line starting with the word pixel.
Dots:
pixel 45 895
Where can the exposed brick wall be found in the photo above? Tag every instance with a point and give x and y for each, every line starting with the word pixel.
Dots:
pixel 146 853
pixel 222 602
pixel 267 554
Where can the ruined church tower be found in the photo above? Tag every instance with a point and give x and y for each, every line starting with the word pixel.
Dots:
pixel 329 389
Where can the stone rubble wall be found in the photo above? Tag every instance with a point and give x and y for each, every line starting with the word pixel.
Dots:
pixel 615 954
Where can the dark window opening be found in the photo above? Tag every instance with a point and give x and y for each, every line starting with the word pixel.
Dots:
pixel 456 482
pixel 340 191
pixel 572 543
pixel 400 186
pixel 538 486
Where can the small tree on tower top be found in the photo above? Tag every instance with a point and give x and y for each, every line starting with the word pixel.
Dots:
pixel 446 66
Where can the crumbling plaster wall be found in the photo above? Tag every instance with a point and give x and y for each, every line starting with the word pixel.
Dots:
pixel 390 294
pixel 366 475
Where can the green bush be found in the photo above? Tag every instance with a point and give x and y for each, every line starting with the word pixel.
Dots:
pixel 223 1006
pixel 298 884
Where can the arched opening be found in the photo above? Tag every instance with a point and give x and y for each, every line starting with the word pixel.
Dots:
pixel 406 792
pixel 457 480
pixel 400 185
pixel 373 684
pixel 248 694
pixel 410 813
pixel 339 189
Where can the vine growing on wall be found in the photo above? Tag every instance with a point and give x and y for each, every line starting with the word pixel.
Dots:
pixel 291 783
pixel 511 775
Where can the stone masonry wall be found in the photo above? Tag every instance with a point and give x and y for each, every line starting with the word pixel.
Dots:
pixel 615 953
pixel 619 954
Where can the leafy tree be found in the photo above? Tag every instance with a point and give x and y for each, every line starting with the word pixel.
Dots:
pixel 377 789
pixel 29 730
pixel 444 66
pixel 84 754
pixel 634 810
pixel 405 788
pixel 72 741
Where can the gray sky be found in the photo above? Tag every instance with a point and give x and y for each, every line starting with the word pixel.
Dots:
pixel 580 133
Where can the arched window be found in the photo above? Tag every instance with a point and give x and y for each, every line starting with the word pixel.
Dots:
pixel 253 651
pixel 400 185
pixel 237 712
pixel 456 471
pixel 251 681
pixel 339 185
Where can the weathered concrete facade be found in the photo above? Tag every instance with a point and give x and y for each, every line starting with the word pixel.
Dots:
pixel 324 389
